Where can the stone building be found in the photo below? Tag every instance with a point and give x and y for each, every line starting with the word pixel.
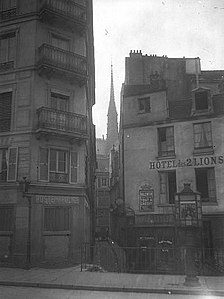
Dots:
pixel 47 147
pixel 172 124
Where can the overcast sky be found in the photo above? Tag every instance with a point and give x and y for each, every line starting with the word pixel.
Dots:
pixel 176 28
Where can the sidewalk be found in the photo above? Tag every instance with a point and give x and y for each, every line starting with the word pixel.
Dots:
pixel 73 278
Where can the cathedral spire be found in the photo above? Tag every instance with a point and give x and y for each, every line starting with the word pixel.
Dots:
pixel 112 125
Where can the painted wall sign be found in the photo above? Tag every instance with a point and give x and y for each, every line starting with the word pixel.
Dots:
pixel 154 219
pixel 146 197
pixel 196 161
pixel 54 200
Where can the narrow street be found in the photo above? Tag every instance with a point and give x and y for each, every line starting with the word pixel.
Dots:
pixel 38 293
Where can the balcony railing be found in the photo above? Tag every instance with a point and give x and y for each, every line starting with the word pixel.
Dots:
pixel 61 121
pixel 7 14
pixel 63 61
pixel 68 10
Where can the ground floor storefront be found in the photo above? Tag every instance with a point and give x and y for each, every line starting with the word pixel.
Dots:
pixel 43 226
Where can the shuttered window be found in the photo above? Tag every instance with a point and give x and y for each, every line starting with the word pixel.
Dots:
pixel 57 218
pixel 54 166
pixel 202 135
pixel 12 164
pixel 44 164
pixel 7 47
pixel 5 111
pixel 74 167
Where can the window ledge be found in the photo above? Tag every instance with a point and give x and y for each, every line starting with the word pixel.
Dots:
pixel 203 151
pixel 166 157
pixel 57 233
pixel 166 205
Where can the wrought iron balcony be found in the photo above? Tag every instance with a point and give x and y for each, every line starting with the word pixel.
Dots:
pixel 61 123
pixel 7 14
pixel 55 61
pixel 64 13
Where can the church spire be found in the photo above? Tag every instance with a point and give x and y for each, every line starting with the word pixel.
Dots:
pixel 112 125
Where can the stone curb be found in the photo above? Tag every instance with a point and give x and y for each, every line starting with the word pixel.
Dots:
pixel 169 291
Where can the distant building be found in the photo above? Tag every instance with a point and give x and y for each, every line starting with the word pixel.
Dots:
pixel 172 124
pixel 47 138
pixel 104 150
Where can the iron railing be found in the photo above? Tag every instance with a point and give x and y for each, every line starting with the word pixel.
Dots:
pixel 155 260
pixel 66 8
pixel 7 14
pixel 65 60
pixel 63 121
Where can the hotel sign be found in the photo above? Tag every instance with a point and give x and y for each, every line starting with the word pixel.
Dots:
pixel 56 200
pixel 195 162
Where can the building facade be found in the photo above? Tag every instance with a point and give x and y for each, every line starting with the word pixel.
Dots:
pixel 47 154
pixel 168 141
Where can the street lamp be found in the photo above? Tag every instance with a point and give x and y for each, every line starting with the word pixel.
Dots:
pixel 25 188
pixel 188 217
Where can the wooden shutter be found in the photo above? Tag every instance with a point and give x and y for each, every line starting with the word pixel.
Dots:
pixel 73 167
pixel 163 187
pixel 44 173
pixel 12 164
pixel 211 184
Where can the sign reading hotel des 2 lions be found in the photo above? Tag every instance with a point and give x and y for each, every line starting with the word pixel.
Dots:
pixel 195 161
pixel 146 198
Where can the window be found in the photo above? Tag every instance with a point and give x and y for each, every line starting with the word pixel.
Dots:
pixel 54 166
pixel 202 135
pixel 104 182
pixel 166 141
pixel 201 100
pixel 8 164
pixel 59 101
pixel 144 105
pixel 60 42
pixel 168 187
pixel 205 183
pixel 5 111
pixel 7 48
pixel 57 218
pixel 6 217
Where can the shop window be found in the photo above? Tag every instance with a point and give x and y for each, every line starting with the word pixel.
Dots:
pixel 202 135
pixel 168 187
pixel 7 51
pixel 205 183
pixel 5 111
pixel 6 219
pixel 8 164
pixel 166 141
pixel 57 218
pixel 54 166
pixel 201 100
pixel 144 105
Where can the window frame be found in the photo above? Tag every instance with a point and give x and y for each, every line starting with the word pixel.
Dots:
pixel 210 188
pixel 7 36
pixel 164 197
pixel 145 102
pixel 161 152
pixel 202 124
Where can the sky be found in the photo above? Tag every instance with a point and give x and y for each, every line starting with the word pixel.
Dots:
pixel 176 28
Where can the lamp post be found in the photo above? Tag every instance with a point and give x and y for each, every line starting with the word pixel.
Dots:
pixel 188 215
pixel 25 188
